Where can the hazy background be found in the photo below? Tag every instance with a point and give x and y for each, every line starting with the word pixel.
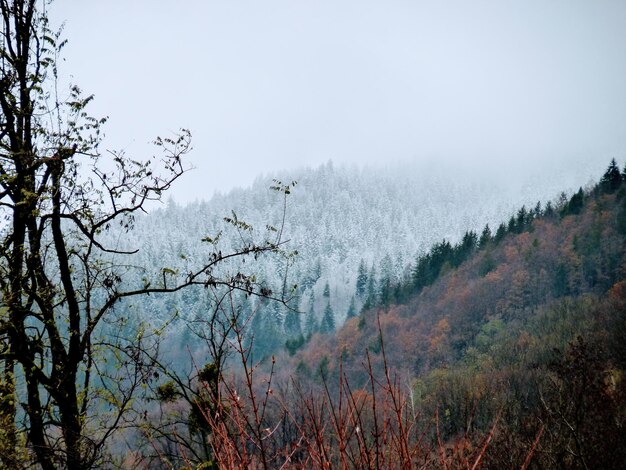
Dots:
pixel 277 84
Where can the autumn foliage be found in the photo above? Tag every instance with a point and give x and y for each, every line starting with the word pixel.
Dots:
pixel 512 357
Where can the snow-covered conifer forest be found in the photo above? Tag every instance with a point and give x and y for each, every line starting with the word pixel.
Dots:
pixel 342 221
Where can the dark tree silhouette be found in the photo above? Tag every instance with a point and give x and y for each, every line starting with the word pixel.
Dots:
pixel 59 282
pixel 612 178
pixel 327 324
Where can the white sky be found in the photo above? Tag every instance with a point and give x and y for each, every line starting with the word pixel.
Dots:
pixel 277 84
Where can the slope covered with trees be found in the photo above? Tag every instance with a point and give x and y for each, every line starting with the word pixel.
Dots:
pixel 502 350
pixel 525 326
pixel 499 347
pixel 357 232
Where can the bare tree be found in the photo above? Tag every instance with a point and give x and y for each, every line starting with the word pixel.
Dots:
pixel 59 282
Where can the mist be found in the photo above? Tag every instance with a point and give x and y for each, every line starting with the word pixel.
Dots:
pixel 269 86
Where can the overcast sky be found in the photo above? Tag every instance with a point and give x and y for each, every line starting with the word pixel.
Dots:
pixel 277 84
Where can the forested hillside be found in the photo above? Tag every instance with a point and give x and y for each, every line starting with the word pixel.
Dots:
pixel 356 232
pixel 408 315
pixel 526 326
pixel 501 350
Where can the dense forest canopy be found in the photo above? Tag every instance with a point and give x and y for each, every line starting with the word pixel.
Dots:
pixel 502 349
pixel 356 231
pixel 523 327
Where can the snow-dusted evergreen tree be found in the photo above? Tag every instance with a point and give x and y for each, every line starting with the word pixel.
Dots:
pixel 311 274
pixel 311 325
pixel 372 290
pixel 328 320
pixel 292 324
pixel 266 331
pixel 352 312
pixel 361 280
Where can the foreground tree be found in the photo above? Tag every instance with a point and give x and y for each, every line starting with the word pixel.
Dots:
pixel 71 363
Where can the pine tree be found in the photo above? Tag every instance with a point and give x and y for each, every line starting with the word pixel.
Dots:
pixel 351 309
pixel 512 225
pixel 387 279
pixel 292 324
pixel 361 280
pixel 523 220
pixel 372 291
pixel 575 204
pixel 310 322
pixel 328 320
pixel 465 248
pixel 313 276
pixel 485 237
pixel 487 264
pixel 266 332
pixel 385 291
pixel 327 290
pixel 612 178
pixel 500 233
pixel 386 269
pixel 317 270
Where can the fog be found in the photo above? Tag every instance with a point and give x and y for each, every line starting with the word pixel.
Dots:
pixel 277 84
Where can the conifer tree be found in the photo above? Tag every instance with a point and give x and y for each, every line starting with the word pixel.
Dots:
pixel 361 280
pixel 386 268
pixel 612 178
pixel 266 331
pixel 485 237
pixel 385 291
pixel 522 221
pixel 292 324
pixel 327 324
pixel 313 275
pixel 465 248
pixel 372 291
pixel 575 204
pixel 351 309
pixel 310 322
pixel 512 225
pixel 387 279
pixel 500 233
pixel 326 290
